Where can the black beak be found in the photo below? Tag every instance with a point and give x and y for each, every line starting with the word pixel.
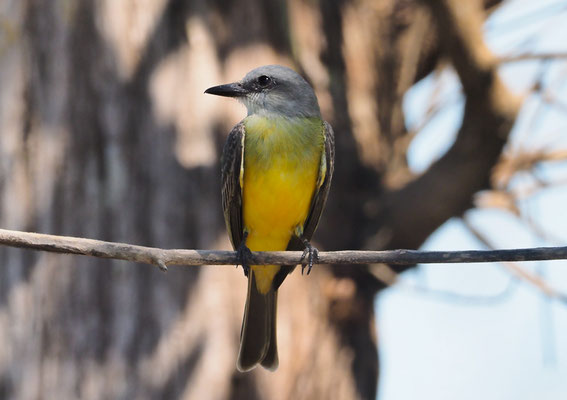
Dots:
pixel 228 90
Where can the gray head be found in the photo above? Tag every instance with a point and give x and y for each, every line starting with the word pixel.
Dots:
pixel 272 89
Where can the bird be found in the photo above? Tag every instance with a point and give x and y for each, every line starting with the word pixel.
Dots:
pixel 276 170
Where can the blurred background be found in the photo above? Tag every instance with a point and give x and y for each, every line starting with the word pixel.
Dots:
pixel 450 121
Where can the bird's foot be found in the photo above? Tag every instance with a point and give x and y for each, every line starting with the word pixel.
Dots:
pixel 244 254
pixel 312 255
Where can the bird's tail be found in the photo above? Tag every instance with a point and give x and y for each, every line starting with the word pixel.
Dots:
pixel 258 335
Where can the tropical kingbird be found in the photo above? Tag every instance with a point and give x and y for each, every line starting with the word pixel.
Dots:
pixel 277 165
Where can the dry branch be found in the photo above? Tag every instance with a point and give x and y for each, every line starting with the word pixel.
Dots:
pixel 164 257
pixel 518 271
pixel 532 56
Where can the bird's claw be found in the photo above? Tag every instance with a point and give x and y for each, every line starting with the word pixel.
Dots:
pixel 246 269
pixel 312 255
pixel 244 255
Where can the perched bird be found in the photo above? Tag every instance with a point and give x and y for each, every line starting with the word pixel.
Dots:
pixel 277 165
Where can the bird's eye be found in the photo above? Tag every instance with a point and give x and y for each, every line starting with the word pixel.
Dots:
pixel 264 80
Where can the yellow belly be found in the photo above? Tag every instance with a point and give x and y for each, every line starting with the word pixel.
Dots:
pixel 276 200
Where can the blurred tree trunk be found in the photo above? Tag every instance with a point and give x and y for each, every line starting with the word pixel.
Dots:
pixel 106 134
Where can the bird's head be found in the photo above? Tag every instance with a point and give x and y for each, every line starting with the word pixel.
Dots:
pixel 272 90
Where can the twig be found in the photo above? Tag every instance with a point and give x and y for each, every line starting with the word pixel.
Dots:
pixel 463 299
pixel 163 257
pixel 532 56
pixel 518 271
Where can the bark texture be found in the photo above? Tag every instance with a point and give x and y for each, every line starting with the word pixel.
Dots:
pixel 106 134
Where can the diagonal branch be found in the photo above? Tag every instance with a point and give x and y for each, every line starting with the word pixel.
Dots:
pixel 532 57
pixel 164 257
pixel 518 271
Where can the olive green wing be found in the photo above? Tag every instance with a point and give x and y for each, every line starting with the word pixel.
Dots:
pixel 232 173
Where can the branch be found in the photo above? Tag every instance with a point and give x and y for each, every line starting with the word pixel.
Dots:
pixel 163 257
pixel 516 270
pixel 532 56
pixel 511 164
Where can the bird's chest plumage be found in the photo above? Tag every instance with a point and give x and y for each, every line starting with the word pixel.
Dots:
pixel 281 168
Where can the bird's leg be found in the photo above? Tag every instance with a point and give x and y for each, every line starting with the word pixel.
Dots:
pixel 311 253
pixel 244 254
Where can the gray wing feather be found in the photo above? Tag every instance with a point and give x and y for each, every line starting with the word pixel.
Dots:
pixel 232 165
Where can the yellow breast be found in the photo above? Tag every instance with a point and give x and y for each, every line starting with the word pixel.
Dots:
pixel 281 167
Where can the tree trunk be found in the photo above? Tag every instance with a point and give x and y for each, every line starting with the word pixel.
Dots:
pixel 106 134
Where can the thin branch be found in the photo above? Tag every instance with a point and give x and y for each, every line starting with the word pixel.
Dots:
pixel 532 56
pixel 518 271
pixel 163 257
pixel 463 299
pixel 511 164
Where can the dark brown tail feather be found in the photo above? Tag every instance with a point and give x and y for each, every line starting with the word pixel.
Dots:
pixel 258 335
pixel 270 360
